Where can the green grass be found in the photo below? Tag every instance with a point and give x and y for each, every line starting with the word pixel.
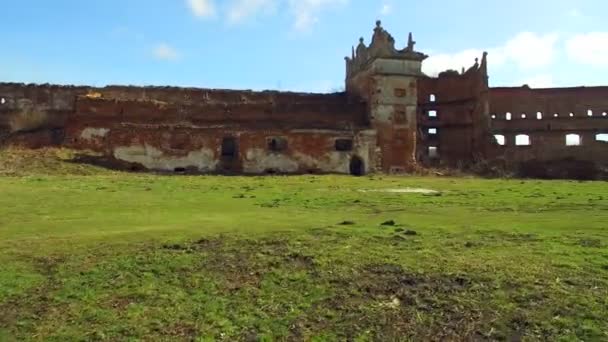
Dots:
pixel 88 254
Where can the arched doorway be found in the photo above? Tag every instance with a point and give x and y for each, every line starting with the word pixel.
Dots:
pixel 357 166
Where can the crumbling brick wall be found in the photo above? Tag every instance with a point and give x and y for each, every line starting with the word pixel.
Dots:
pixel 549 125
pixel 37 112
pixel 168 128
pixel 170 135
pixel 453 118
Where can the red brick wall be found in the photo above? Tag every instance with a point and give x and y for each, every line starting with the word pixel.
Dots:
pixel 461 122
pixel 548 134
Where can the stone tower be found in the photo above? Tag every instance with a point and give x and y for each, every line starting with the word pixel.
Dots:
pixel 386 78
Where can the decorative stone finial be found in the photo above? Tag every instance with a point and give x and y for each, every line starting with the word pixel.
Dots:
pixel 382 46
pixel 484 67
pixel 410 42
pixel 473 68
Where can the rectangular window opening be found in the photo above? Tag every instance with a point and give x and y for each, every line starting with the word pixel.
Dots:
pixel 500 139
pixel 573 140
pixel 344 145
pixel 277 144
pixel 433 152
pixel 400 92
pixel 522 140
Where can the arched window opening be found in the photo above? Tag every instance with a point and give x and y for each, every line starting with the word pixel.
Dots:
pixel 432 98
pixel 500 139
pixel 603 137
pixel 571 115
pixel 555 115
pixel 573 140
pixel 493 116
pixel 589 112
pixel 2 100
pixel 433 152
pixel 539 115
pixel 604 114
pixel 522 140
pixel 508 116
pixel 523 115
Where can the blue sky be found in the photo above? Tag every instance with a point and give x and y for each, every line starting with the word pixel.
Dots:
pixel 293 44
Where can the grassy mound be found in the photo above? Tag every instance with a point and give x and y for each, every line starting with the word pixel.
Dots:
pixel 49 161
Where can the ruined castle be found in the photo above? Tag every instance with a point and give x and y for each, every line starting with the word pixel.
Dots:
pixel 392 118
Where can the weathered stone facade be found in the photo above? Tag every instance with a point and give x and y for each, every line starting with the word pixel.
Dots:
pixel 392 118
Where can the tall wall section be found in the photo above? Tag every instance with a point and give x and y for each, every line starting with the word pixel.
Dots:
pixel 548 125
pixel 386 78
pixel 164 128
pixel 453 117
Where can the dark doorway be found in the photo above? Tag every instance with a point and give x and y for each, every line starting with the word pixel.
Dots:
pixel 357 166
pixel 229 148
pixel 229 162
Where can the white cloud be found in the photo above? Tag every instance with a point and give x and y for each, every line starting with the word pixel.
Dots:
pixel 165 52
pixel 306 12
pixel 575 13
pixel 240 10
pixel 442 62
pixel 590 48
pixel 530 50
pixel 386 9
pixel 526 50
pixel 202 8
pixel 540 81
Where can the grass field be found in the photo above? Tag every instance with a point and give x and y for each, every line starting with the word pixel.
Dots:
pixel 89 254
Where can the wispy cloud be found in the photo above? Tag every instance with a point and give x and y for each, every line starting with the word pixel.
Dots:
pixel 527 50
pixel 165 52
pixel 202 8
pixel 540 81
pixel 589 48
pixel 455 61
pixel 240 10
pixel 386 9
pixel 306 12
pixel 530 50
pixel 575 13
